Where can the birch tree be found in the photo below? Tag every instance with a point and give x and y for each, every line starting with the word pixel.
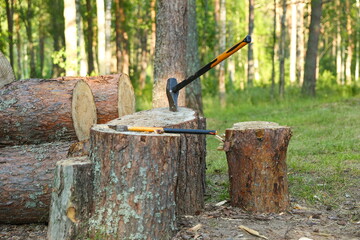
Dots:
pixel 70 37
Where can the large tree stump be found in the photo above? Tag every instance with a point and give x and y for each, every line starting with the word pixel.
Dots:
pixel 26 177
pixel 134 184
pixel 36 111
pixel 190 188
pixel 114 95
pixel 256 155
pixel 71 199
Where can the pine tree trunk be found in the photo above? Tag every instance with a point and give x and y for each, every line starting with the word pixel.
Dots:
pixel 70 37
pixel 301 44
pixel 250 69
pixel 134 184
pixel 89 36
pixel 170 50
pixel 35 111
pixel 193 91
pixel 309 85
pixel 282 51
pixel 26 178
pixel 71 199
pixel 293 42
pixel 256 155
pixel 190 187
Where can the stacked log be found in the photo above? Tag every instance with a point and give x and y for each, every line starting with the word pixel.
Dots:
pixel 114 95
pixel 39 120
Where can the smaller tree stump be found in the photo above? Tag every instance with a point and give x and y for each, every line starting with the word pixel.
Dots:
pixel 71 199
pixel 256 156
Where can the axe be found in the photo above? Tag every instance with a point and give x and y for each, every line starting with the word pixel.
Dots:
pixel 124 128
pixel 172 87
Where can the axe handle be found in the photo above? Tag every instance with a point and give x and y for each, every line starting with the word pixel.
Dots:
pixel 213 63
pixel 171 130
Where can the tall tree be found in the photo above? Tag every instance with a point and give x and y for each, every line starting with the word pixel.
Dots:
pixel 193 91
pixel 339 46
pixel 122 46
pixel 309 85
pixel 300 42
pixel 170 50
pixel 100 10
pixel 81 55
pixel 282 50
pixel 222 45
pixel 293 41
pixel 10 23
pixel 89 36
pixel 108 4
pixel 70 37
pixel 357 56
pixel 350 42
pixel 250 69
pixel 273 57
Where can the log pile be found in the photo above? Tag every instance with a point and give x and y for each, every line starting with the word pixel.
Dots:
pixel 39 120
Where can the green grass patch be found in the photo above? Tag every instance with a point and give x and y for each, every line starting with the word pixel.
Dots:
pixel 324 152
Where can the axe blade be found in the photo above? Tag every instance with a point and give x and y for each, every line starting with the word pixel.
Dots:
pixel 172 96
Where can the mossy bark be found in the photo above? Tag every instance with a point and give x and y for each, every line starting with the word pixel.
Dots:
pixel 190 187
pixel 134 184
pixel 71 199
pixel 256 155
pixel 26 177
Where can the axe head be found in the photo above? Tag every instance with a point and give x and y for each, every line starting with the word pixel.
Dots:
pixel 172 96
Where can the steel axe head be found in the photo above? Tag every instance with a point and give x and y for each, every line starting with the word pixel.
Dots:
pixel 172 96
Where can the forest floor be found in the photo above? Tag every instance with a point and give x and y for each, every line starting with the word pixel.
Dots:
pixel 223 222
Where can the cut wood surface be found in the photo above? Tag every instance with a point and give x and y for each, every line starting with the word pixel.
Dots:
pixel 190 187
pixel 71 199
pixel 6 71
pixel 256 155
pixel 26 177
pixel 134 184
pixel 34 111
pixel 114 95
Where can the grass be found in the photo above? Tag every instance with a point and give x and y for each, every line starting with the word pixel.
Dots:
pixel 324 152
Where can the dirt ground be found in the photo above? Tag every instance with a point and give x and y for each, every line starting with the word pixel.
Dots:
pixel 222 222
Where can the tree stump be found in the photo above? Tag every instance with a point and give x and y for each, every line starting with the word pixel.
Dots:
pixel 35 111
pixel 114 95
pixel 256 155
pixel 71 199
pixel 26 178
pixel 134 184
pixel 190 188
pixel 6 71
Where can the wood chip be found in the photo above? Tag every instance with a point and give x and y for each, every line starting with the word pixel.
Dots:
pixel 195 228
pixel 221 203
pixel 252 231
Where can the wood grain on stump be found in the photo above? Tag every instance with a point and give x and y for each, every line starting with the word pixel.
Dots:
pixel 35 111
pixel 134 184
pixel 114 95
pixel 190 188
pixel 26 177
pixel 256 155
pixel 71 199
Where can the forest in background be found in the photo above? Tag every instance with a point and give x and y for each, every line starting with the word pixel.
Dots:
pixel 106 36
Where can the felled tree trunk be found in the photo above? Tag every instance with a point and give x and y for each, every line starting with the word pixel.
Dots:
pixel 36 111
pixel 26 177
pixel 71 199
pixel 190 188
pixel 256 155
pixel 114 95
pixel 134 184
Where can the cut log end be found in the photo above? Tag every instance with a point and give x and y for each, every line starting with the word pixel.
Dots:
pixel 126 99
pixel 83 110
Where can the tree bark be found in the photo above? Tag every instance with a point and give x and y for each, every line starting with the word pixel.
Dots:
pixel 193 91
pixel 293 42
pixel 114 95
pixel 9 4
pixel 26 177
pixel 300 43
pixel 256 155
pixel 273 53
pixel 89 32
pixel 134 184
pixel 35 111
pixel 309 85
pixel 222 45
pixel 190 187
pixel 170 50
pixel 71 199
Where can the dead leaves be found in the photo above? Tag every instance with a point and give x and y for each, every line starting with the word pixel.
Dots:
pixel 252 232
